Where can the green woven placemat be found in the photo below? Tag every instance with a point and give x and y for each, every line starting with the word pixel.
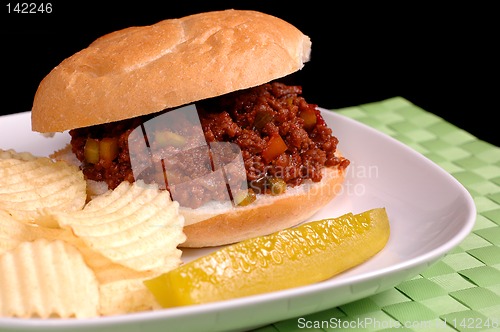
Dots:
pixel 461 292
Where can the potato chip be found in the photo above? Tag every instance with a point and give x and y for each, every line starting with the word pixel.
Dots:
pixel 122 238
pixel 12 154
pixel 14 232
pixel 125 296
pixel 66 154
pixel 135 225
pixel 47 279
pixel 121 289
pixel 28 184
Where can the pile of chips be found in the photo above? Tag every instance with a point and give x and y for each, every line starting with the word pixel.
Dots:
pixel 64 256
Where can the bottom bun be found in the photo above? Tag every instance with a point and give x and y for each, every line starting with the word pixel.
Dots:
pixel 207 227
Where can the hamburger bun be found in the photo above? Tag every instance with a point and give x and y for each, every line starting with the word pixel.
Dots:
pixel 143 70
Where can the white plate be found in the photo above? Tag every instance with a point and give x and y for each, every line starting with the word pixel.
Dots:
pixel 429 211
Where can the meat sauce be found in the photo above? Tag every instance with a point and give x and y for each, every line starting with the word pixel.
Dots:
pixel 280 135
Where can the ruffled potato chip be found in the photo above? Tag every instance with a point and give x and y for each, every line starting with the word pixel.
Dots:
pixel 47 279
pixel 125 296
pixel 29 184
pixel 135 225
pixel 47 233
pixel 14 232
pixel 121 289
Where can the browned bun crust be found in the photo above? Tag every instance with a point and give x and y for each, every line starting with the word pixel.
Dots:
pixel 143 70
pixel 267 215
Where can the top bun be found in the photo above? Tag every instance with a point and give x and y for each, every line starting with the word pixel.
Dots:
pixel 143 70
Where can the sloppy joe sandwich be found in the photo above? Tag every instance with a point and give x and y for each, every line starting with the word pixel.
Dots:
pixel 196 105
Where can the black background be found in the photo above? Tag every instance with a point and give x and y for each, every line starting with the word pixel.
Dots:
pixel 442 59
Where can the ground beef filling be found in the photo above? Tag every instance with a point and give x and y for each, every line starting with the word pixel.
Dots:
pixel 283 140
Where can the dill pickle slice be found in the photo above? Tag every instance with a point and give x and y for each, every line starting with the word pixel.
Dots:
pixel 298 256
